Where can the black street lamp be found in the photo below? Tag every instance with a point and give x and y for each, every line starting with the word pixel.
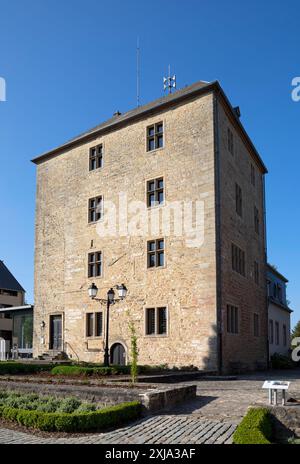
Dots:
pixel 110 300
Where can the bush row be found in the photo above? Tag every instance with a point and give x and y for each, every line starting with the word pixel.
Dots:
pixel 255 428
pixel 89 371
pixel 44 403
pixel 83 422
pixel 7 368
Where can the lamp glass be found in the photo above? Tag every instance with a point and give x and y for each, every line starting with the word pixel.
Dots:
pixel 93 290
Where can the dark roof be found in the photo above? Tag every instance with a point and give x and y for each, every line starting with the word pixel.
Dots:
pixel 7 280
pixel 274 271
pixel 160 104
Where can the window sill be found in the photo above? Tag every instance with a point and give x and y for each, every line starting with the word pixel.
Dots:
pixel 156 336
pixel 156 268
pixel 155 150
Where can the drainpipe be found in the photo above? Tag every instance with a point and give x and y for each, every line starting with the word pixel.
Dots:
pixel 219 327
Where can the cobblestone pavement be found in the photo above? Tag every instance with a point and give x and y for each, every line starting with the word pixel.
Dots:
pixel 163 429
pixel 211 418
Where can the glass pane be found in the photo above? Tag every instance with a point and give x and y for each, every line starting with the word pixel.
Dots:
pixel 160 197
pixel 161 244
pixel 151 200
pixel 162 321
pixel 160 141
pixel 152 260
pixel 151 246
pixel 159 128
pixel 160 183
pixel 98 324
pixel 161 259
pixel 89 324
pixel 151 186
pixel 93 164
pixel 151 131
pixel 150 325
pixel 151 144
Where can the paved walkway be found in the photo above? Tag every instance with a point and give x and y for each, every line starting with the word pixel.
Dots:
pixel 163 429
pixel 211 418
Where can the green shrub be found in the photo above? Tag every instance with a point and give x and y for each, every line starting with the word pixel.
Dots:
pixel 69 405
pixel 12 368
pixel 87 371
pixel 86 407
pixel 279 361
pixel 74 422
pixel 255 428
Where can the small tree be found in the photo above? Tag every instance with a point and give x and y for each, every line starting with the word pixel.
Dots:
pixel 134 352
pixel 296 331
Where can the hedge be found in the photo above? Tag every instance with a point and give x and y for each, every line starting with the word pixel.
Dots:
pixel 75 422
pixel 255 428
pixel 20 368
pixel 88 371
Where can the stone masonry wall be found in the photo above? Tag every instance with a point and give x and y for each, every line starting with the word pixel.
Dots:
pixel 242 350
pixel 187 283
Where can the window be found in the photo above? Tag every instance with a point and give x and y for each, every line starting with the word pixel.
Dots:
pixel 256 272
pixel 95 264
pixel 156 321
pixel 90 324
pixel 94 324
pixel 271 331
pixel 9 292
pixel 156 253
pixel 95 209
pixel 284 334
pixel 238 200
pixel 256 220
pixel 256 325
pixel 279 292
pixel 155 192
pixel 252 175
pixel 96 157
pixel 230 141
pixel 275 290
pixel 238 259
pixel 277 333
pixel 155 136
pixel 232 319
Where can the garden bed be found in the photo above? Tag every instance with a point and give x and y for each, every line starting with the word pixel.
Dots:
pixel 52 414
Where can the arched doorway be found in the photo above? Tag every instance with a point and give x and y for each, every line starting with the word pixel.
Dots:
pixel 117 354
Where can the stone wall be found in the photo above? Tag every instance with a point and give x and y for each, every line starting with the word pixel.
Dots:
pixel 242 351
pixel 186 284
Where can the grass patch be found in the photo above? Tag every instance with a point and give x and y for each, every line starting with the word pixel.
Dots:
pixel 64 415
pixel 255 428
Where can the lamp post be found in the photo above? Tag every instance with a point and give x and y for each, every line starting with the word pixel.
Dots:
pixel 110 300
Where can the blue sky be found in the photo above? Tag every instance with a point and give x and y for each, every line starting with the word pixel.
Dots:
pixel 70 64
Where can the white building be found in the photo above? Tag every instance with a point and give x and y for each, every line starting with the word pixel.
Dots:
pixel 279 313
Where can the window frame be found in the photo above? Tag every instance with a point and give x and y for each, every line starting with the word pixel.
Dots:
pixel 94 208
pixel 94 325
pixel 155 136
pixel 156 253
pixel 230 141
pixel 156 332
pixel 232 319
pixel 238 200
pixel 256 328
pixel 238 260
pixel 157 190
pixel 95 263
pixel 271 331
pixel 97 157
pixel 277 333
pixel 256 220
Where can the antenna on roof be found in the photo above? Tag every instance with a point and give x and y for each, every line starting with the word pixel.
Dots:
pixel 170 82
pixel 138 77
